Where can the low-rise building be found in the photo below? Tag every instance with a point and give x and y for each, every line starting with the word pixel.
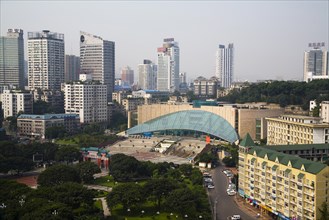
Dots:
pixel 35 126
pixel 283 185
pixel 324 113
pixel 294 129
pixel 96 155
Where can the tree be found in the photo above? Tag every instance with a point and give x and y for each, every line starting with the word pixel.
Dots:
pixel 229 161
pixel 16 164
pixel 186 169
pixel 324 212
pixel 127 168
pixel 87 170
pixel 159 188
pixel 181 201
pixel 196 177
pixel 55 132
pixel 127 194
pixel 58 174
pixel 68 154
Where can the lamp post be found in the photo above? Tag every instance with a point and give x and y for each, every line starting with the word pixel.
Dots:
pixel 55 212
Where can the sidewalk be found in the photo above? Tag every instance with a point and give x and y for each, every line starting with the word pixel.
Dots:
pixel 251 210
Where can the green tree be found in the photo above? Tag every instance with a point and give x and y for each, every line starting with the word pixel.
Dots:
pixel 68 154
pixel 58 174
pixel 182 201
pixel 196 177
pixel 127 194
pixel 159 188
pixel 87 170
pixel 55 132
pixel 186 169
pixel 324 212
pixel 229 161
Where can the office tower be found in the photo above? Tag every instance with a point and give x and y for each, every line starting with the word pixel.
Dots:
pixel 46 60
pixel 315 63
pixel 12 58
pixel 97 57
pixel 87 98
pixel 72 68
pixel 147 75
pixel 224 65
pixel 127 76
pixel 168 66
pixel 15 101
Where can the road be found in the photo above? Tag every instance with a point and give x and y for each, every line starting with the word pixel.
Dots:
pixel 223 205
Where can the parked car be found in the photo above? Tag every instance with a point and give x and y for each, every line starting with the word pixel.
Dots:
pixel 235 217
pixel 231 192
pixel 211 186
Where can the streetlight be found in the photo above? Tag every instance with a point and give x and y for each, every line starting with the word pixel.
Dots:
pixel 186 216
pixel 158 213
pixel 142 212
pixel 200 216
pixel 55 212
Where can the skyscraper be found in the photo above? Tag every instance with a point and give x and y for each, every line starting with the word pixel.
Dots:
pixel 147 75
pixel 12 58
pixel 182 77
pixel 72 68
pixel 224 65
pixel 316 63
pixel 45 60
pixel 168 66
pixel 127 75
pixel 97 57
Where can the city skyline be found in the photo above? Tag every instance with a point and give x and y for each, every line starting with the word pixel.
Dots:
pixel 269 37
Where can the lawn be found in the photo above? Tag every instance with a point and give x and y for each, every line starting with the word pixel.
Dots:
pixel 109 181
pixel 98 204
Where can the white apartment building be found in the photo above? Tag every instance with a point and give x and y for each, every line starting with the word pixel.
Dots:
pixel 224 65
pixel 14 102
pixel 147 75
pixel 45 60
pixel 168 66
pixel 87 99
pixel 294 129
pixel 97 57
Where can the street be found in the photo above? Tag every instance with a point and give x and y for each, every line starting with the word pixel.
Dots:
pixel 223 205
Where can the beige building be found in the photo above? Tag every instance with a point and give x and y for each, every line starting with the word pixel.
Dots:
pixel 325 111
pixel 35 126
pixel 243 118
pixel 294 129
pixel 283 185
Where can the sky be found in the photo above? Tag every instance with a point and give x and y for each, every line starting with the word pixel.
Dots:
pixel 269 37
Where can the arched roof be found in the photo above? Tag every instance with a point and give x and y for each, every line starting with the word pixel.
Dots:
pixel 196 120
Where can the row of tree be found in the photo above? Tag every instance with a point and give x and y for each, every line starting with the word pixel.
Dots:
pixel 281 92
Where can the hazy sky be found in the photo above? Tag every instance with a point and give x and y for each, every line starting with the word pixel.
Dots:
pixel 269 36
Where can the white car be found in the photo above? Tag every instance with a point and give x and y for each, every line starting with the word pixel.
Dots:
pixel 231 192
pixel 211 186
pixel 236 217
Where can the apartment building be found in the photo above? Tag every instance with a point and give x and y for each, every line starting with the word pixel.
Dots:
pixel 35 126
pixel 294 129
pixel 15 101
pixel 282 185
pixel 87 99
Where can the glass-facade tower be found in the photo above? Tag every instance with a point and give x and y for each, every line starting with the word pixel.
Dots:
pixel 224 65
pixel 12 59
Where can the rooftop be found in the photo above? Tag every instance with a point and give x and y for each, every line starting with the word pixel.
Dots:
pixel 298 147
pixel 295 161
pixel 47 116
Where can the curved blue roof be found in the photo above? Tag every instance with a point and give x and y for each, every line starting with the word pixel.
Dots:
pixel 196 120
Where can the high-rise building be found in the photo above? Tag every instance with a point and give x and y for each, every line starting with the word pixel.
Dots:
pixel 15 101
pixel 316 63
pixel 324 113
pixel 224 65
pixel 97 57
pixel 127 75
pixel 182 77
pixel 147 75
pixel 12 58
pixel 45 60
pixel 87 98
pixel 72 68
pixel 168 66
